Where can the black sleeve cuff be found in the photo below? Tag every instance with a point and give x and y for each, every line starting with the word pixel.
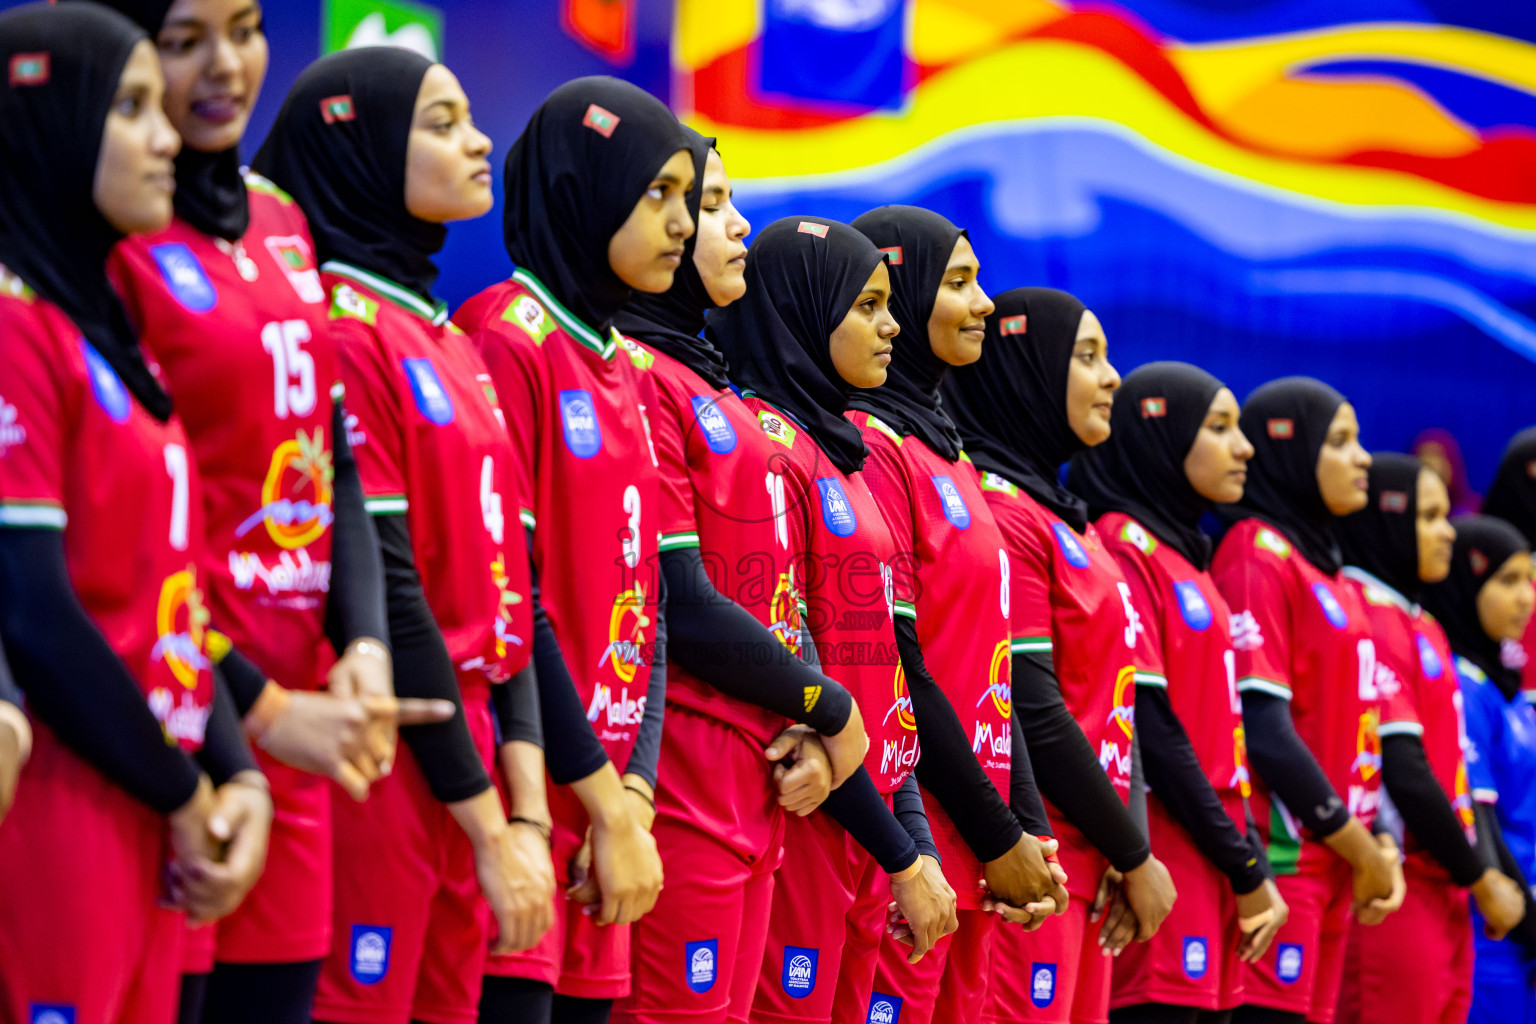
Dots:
pixel 858 807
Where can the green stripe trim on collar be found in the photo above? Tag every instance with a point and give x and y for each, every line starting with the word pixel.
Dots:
pixel 573 326
pixel 406 299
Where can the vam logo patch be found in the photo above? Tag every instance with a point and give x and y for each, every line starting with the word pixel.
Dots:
pixel 578 419
pixel 370 953
pixel 701 958
pixel 1071 547
pixel 1042 984
pixel 1332 610
pixel 1429 660
pixel 1192 605
pixel 110 393
pixel 184 276
pixel 51 1013
pixel 1195 956
pixel 883 1009
pixel 1288 962
pixel 836 513
pixel 432 398
pixel 954 504
pixel 799 971
pixel 718 432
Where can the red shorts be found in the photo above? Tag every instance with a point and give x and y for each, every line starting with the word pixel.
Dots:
pixel 949 984
pixel 411 925
pixel 697 955
pixel 1052 975
pixel 1304 967
pixel 1433 934
pixel 81 932
pixel 829 911
pixel 1192 960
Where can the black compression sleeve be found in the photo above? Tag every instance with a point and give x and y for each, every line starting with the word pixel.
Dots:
pixel 355 607
pixel 1485 818
pixel 1525 932
pixel 243 676
pixel 1288 767
pixel 948 769
pixel 224 752
pixel 1136 803
pixel 1180 784
pixel 646 753
pixel 1066 768
pixel 8 690
pixel 907 803
pixel 858 807
pixel 722 643
pixel 1425 811
pixel 571 749
pixel 73 680
pixel 1256 842
pixel 516 703
pixel 444 750
pixel 1023 793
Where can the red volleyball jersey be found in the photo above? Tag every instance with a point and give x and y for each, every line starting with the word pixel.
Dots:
pixel 1304 636
pixel 854 582
pixel 79 454
pixel 576 411
pixel 940 519
pixel 431 444
pixel 1185 646
pixel 723 492
pixel 1416 680
pixel 224 319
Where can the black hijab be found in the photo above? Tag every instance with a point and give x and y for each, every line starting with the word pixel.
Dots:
pixel 64 63
pixel 917 244
pixel 1483 545
pixel 210 190
pixel 672 321
pixel 572 179
pixel 803 275
pixel 1383 537
pixel 1287 421
pixel 339 147
pixel 1011 405
pixel 1513 494
pixel 1139 471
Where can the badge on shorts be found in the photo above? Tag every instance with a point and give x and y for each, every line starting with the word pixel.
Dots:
pixel 1288 962
pixel 110 393
pixel 954 505
pixel 578 419
pixel 427 387
pixel 701 958
pixel 370 953
pixel 883 1009
pixel 1429 659
pixel 1332 610
pixel 184 276
pixel 799 971
pixel 51 1013
pixel 718 432
pixel 1042 984
pixel 835 510
pixel 1071 547
pixel 1195 957
pixel 1192 605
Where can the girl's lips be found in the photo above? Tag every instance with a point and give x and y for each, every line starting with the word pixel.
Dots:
pixel 219 109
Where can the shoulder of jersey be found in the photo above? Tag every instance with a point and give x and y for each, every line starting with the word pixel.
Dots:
pixel 524 311
pixel 1470 670
pixel 1137 536
pixel 347 303
pixel 263 186
pixel 639 355
pixel 1268 540
pixel 13 287
pixel 879 426
pixel 777 427
pixel 997 485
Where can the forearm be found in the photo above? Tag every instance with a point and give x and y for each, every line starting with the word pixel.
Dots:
pixel 522 766
pixel 1422 804
pixel 646 753
pixel 516 706
pixel 1023 792
pixel 1285 764
pixel 225 752
pixel 355 607
pixel 860 809
pixel 907 804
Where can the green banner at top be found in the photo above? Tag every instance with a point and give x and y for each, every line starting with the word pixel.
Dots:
pixel 347 24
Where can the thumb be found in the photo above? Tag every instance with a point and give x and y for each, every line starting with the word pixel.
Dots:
pixel 351 780
pixel 227 815
pixel 781 748
pixel 417 711
pixel 1048 847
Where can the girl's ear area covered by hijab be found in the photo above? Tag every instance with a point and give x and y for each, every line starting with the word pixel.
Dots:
pixel 572 179
pixel 803 276
pixel 65 62
pixel 1011 405
pixel 1512 496
pixel 1483 545
pixel 339 147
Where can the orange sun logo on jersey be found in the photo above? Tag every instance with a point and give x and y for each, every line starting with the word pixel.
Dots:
pixel 296 494
pixel 901 707
pixel 1124 714
pixel 1240 777
pixel 180 621
pixel 998 688
pixel 508 600
pixel 784 612
pixel 1367 747
pixel 626 634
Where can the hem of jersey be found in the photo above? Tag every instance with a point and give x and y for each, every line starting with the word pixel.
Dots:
pixel 677 541
pixel 39 515
pixel 386 505
pixel 604 347
pixel 1400 729
pixel 526 515
pixel 387 289
pixel 1030 645
pixel 1151 679
pixel 1255 684
pixel 906 609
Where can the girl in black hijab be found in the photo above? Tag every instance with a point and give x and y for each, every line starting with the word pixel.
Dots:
pixel 1512 497
pixel 1042 390
pixel 1175 450
pixel 90 470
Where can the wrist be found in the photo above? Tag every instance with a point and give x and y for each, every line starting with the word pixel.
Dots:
pixel 16 719
pixel 909 872
pixel 369 647
pixel 252 778
pixel 481 819
pixel 270 705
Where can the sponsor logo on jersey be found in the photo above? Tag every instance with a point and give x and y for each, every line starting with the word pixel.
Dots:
pixel 599 120
pixel 338 108
pixel 1247 635
pixel 1195 957
pixel 432 398
pixel 1193 607
pixel 1288 962
pixel 892 254
pixel 1042 984
pixel 1332 610
pixel 626 634
pixel 993 482
pixel 31 69
pixel 900 755
pixel 1269 540
pixel 998 688
pixel 300 466
pixel 1367 760
pixel 836 512
pixel 1133 534
pixel 700 958
pixel 1154 408
pixel 799 976
pixel 901 707
pixel 180 620
pixel 1071 548
pixel 184 276
pixel 370 952
pixel 110 393
pixel 784 612
pixel 346 302
pixel 1281 429
pixel 1240 779
pixel 638 354
pixel 525 312
pixel 883 1009
pixel 1124 714
pixel 12 433
pixel 811 695
pixel 1013 325
pixel 578 419
pixel 51 1013
pixel 876 423
pixel 808 227
pixel 997 747
pixel 718 432
pixel 15 287
pixel 291 254
pixel 954 503
pixel 776 427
